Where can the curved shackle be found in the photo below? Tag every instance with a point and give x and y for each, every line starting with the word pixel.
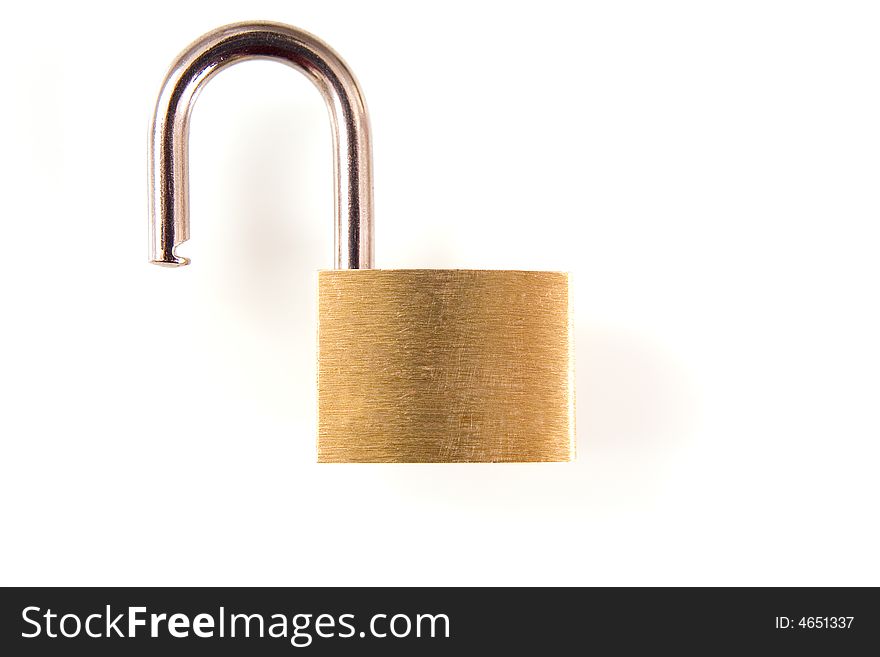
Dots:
pixel 169 137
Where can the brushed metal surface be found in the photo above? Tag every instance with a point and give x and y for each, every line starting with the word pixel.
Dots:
pixel 444 366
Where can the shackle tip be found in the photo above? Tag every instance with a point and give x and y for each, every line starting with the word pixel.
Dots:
pixel 163 247
pixel 170 261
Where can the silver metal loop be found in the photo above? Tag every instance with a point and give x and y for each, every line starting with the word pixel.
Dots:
pixel 169 137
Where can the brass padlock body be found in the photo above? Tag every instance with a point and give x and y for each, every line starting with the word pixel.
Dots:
pixel 441 365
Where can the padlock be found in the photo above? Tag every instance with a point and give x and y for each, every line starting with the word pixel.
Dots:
pixel 421 365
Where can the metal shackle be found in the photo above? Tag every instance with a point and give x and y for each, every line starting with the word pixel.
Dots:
pixel 169 136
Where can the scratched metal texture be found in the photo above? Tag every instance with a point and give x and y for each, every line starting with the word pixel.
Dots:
pixel 444 366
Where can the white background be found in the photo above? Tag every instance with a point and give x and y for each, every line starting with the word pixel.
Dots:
pixel 709 173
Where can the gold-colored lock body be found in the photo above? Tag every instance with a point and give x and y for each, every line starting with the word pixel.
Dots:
pixel 444 366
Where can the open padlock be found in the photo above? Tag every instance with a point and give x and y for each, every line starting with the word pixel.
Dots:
pixel 419 365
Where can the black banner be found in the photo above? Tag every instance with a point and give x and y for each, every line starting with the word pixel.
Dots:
pixel 407 621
